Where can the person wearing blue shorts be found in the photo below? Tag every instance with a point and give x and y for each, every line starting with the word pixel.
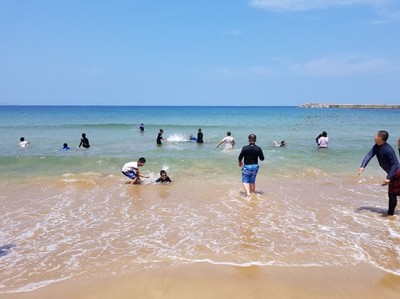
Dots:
pixel 131 170
pixel 250 153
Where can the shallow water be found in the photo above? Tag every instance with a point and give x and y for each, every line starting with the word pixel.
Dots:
pixel 94 226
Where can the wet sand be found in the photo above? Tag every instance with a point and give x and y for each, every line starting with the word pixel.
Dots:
pixel 221 281
pixel 120 241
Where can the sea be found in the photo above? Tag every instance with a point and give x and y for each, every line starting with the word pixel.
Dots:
pixel 67 215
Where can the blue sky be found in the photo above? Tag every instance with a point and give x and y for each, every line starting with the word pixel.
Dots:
pixel 199 52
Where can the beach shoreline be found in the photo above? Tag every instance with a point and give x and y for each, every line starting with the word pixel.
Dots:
pixel 152 234
pixel 204 280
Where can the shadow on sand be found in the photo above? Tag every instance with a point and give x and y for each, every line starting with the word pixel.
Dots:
pixel 376 210
pixel 5 249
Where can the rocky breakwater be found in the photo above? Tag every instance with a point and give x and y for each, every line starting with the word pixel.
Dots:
pixel 350 106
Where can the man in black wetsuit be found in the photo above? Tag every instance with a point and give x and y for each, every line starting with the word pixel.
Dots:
pixel 159 136
pixel 251 153
pixel 388 161
pixel 84 141
pixel 199 136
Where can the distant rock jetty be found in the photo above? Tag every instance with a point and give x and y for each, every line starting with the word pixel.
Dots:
pixel 349 106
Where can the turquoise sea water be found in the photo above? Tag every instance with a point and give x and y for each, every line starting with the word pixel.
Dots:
pixel 71 215
pixel 114 137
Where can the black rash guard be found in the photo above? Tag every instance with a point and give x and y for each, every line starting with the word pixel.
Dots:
pixel 251 154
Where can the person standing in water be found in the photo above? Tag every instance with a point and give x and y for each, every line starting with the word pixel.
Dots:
pixel 250 153
pixel 160 137
pixel 228 140
pixel 388 161
pixel 84 141
pixel 23 142
pixel 199 136
pixel 322 140
pixel 141 128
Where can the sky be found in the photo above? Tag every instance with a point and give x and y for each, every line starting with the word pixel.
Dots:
pixel 199 52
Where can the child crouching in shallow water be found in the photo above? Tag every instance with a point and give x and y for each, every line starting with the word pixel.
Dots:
pixel 164 178
pixel 131 170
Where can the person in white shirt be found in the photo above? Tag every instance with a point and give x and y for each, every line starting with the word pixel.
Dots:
pixel 131 170
pixel 282 144
pixel 228 140
pixel 23 142
pixel 323 140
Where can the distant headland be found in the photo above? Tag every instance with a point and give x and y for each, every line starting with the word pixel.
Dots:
pixel 349 106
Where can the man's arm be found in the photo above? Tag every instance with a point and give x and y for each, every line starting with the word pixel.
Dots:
pixel 366 160
pixel 261 155
pixel 241 155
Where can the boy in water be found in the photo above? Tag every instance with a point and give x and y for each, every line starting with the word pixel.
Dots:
pixel 282 144
pixel 160 137
pixel 131 170
pixel 228 140
pixel 164 178
pixel 141 127
pixel 23 142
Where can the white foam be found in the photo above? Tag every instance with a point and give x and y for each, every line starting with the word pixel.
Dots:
pixel 177 138
pixel 84 231
pixel 210 261
pixel 37 285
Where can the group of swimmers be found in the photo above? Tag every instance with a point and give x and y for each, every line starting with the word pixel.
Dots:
pixel 199 138
pixel 84 143
pixel 252 153
pixel 131 169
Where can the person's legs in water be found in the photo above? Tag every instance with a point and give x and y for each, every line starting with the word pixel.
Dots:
pixel 249 173
pixel 246 187
pixel 252 187
pixel 392 204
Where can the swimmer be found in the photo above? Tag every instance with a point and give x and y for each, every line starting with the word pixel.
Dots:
pixel 84 141
pixel 23 142
pixel 164 178
pixel 160 137
pixel 65 147
pixel 141 127
pixel 228 140
pixel 282 144
pixel 322 140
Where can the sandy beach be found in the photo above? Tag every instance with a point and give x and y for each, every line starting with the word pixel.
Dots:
pixel 196 248
pixel 219 281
